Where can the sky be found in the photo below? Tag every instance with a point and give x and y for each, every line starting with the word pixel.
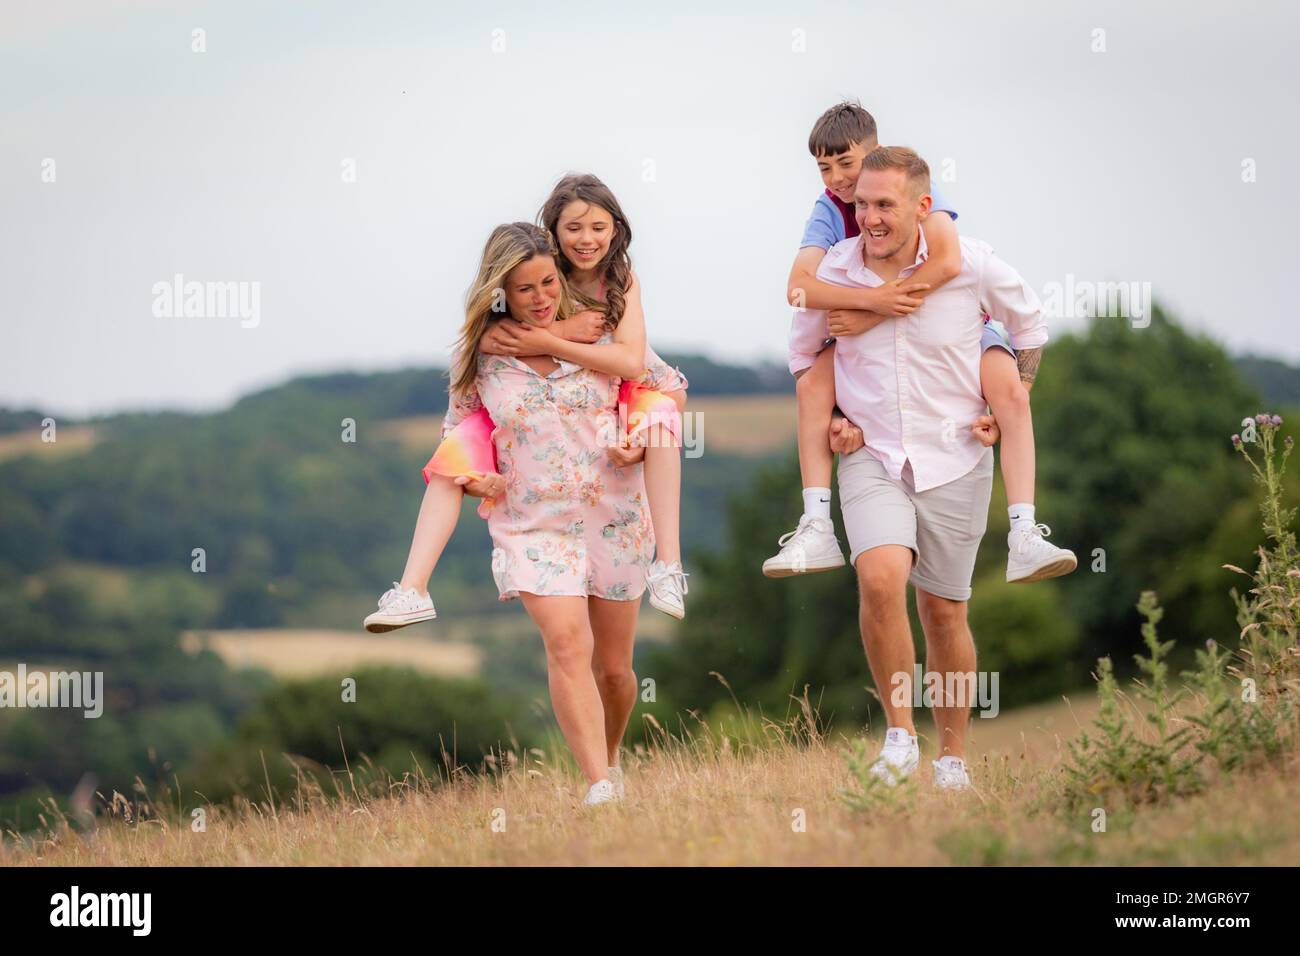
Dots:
pixel 344 162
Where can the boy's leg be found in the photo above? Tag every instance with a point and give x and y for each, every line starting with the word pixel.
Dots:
pixel 439 512
pixel 1009 401
pixel 812 546
pixel 815 395
pixel 1030 556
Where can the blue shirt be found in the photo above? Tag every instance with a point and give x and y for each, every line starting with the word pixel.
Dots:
pixel 826 224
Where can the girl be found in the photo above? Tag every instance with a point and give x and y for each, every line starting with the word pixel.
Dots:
pixel 570 530
pixel 593 236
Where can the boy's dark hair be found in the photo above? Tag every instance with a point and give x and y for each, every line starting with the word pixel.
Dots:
pixel 841 128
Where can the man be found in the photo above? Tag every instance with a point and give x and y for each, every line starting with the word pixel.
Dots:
pixel 915 496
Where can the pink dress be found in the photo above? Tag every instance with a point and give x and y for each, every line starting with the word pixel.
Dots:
pixel 570 521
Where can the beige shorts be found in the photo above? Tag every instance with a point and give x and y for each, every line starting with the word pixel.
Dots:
pixel 943 526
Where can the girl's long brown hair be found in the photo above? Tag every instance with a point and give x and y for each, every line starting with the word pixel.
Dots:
pixel 617 264
pixel 509 245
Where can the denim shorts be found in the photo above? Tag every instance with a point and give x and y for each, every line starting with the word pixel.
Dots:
pixel 991 338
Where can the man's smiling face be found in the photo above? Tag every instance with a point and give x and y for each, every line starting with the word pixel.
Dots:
pixel 888 208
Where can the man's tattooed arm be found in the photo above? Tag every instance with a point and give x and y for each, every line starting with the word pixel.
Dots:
pixel 1027 361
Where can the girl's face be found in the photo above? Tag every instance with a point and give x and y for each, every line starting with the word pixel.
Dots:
pixel 585 232
pixel 533 291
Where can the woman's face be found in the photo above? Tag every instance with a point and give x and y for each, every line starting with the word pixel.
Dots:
pixel 533 291
pixel 585 231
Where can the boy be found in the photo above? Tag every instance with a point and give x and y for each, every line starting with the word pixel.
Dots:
pixel 841 137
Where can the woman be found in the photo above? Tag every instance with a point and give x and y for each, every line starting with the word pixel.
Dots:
pixel 570 532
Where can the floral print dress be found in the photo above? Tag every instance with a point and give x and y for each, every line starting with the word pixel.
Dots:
pixel 570 521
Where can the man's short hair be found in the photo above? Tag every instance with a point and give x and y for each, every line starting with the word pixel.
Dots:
pixel 916 169
pixel 841 128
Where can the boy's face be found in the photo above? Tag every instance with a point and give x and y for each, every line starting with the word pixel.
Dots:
pixel 840 171
pixel 533 290
pixel 888 208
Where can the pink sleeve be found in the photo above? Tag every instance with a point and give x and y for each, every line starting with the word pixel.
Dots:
pixel 808 332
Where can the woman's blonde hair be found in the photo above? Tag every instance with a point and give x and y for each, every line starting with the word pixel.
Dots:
pixel 510 245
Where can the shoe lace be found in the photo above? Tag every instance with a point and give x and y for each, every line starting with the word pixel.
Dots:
pixel 798 535
pixel 391 594
pixel 1038 532
pixel 658 575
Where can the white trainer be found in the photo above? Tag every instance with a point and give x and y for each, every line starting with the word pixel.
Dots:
pixel 810 547
pixel 602 791
pixel 616 778
pixel 898 758
pixel 950 774
pixel 1031 557
pixel 398 608
pixel 667 586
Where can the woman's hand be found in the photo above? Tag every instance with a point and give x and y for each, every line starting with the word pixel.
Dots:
pixel 985 428
pixel 489 486
pixel 586 327
pixel 508 337
pixel 624 455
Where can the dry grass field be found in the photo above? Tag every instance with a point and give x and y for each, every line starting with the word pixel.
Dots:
pixel 711 796
pixel 291 653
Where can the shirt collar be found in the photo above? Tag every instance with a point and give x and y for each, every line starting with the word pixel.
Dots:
pixel 846 256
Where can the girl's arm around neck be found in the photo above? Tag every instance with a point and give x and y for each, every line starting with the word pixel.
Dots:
pixel 625 356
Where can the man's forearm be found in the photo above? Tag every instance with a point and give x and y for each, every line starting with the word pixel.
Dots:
pixel 1027 362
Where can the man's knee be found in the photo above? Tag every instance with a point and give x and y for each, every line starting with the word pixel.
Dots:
pixel 940 616
pixel 882 581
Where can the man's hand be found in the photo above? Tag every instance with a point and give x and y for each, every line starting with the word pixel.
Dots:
pixel 586 327
pixel 490 486
pixel 841 322
pixel 985 428
pixel 508 337
pixel 846 437
pixel 896 298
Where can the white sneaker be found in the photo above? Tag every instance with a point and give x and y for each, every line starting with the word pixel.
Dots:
pixel 602 791
pixel 898 758
pixel 1032 558
pixel 950 774
pixel 616 778
pixel 810 547
pixel 667 585
pixel 398 608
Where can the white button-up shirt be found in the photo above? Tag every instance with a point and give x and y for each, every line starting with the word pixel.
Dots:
pixel 912 383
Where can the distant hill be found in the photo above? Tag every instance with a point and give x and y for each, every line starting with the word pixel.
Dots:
pixel 1277 382
pixel 423 390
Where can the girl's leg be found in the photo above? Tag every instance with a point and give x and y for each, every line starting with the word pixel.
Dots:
pixel 613 626
pixel 663 487
pixel 439 513
pixel 566 633
pixel 1009 400
pixel 815 395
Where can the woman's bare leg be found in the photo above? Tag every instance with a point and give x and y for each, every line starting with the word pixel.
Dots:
pixel 613 626
pixel 566 632
pixel 439 512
